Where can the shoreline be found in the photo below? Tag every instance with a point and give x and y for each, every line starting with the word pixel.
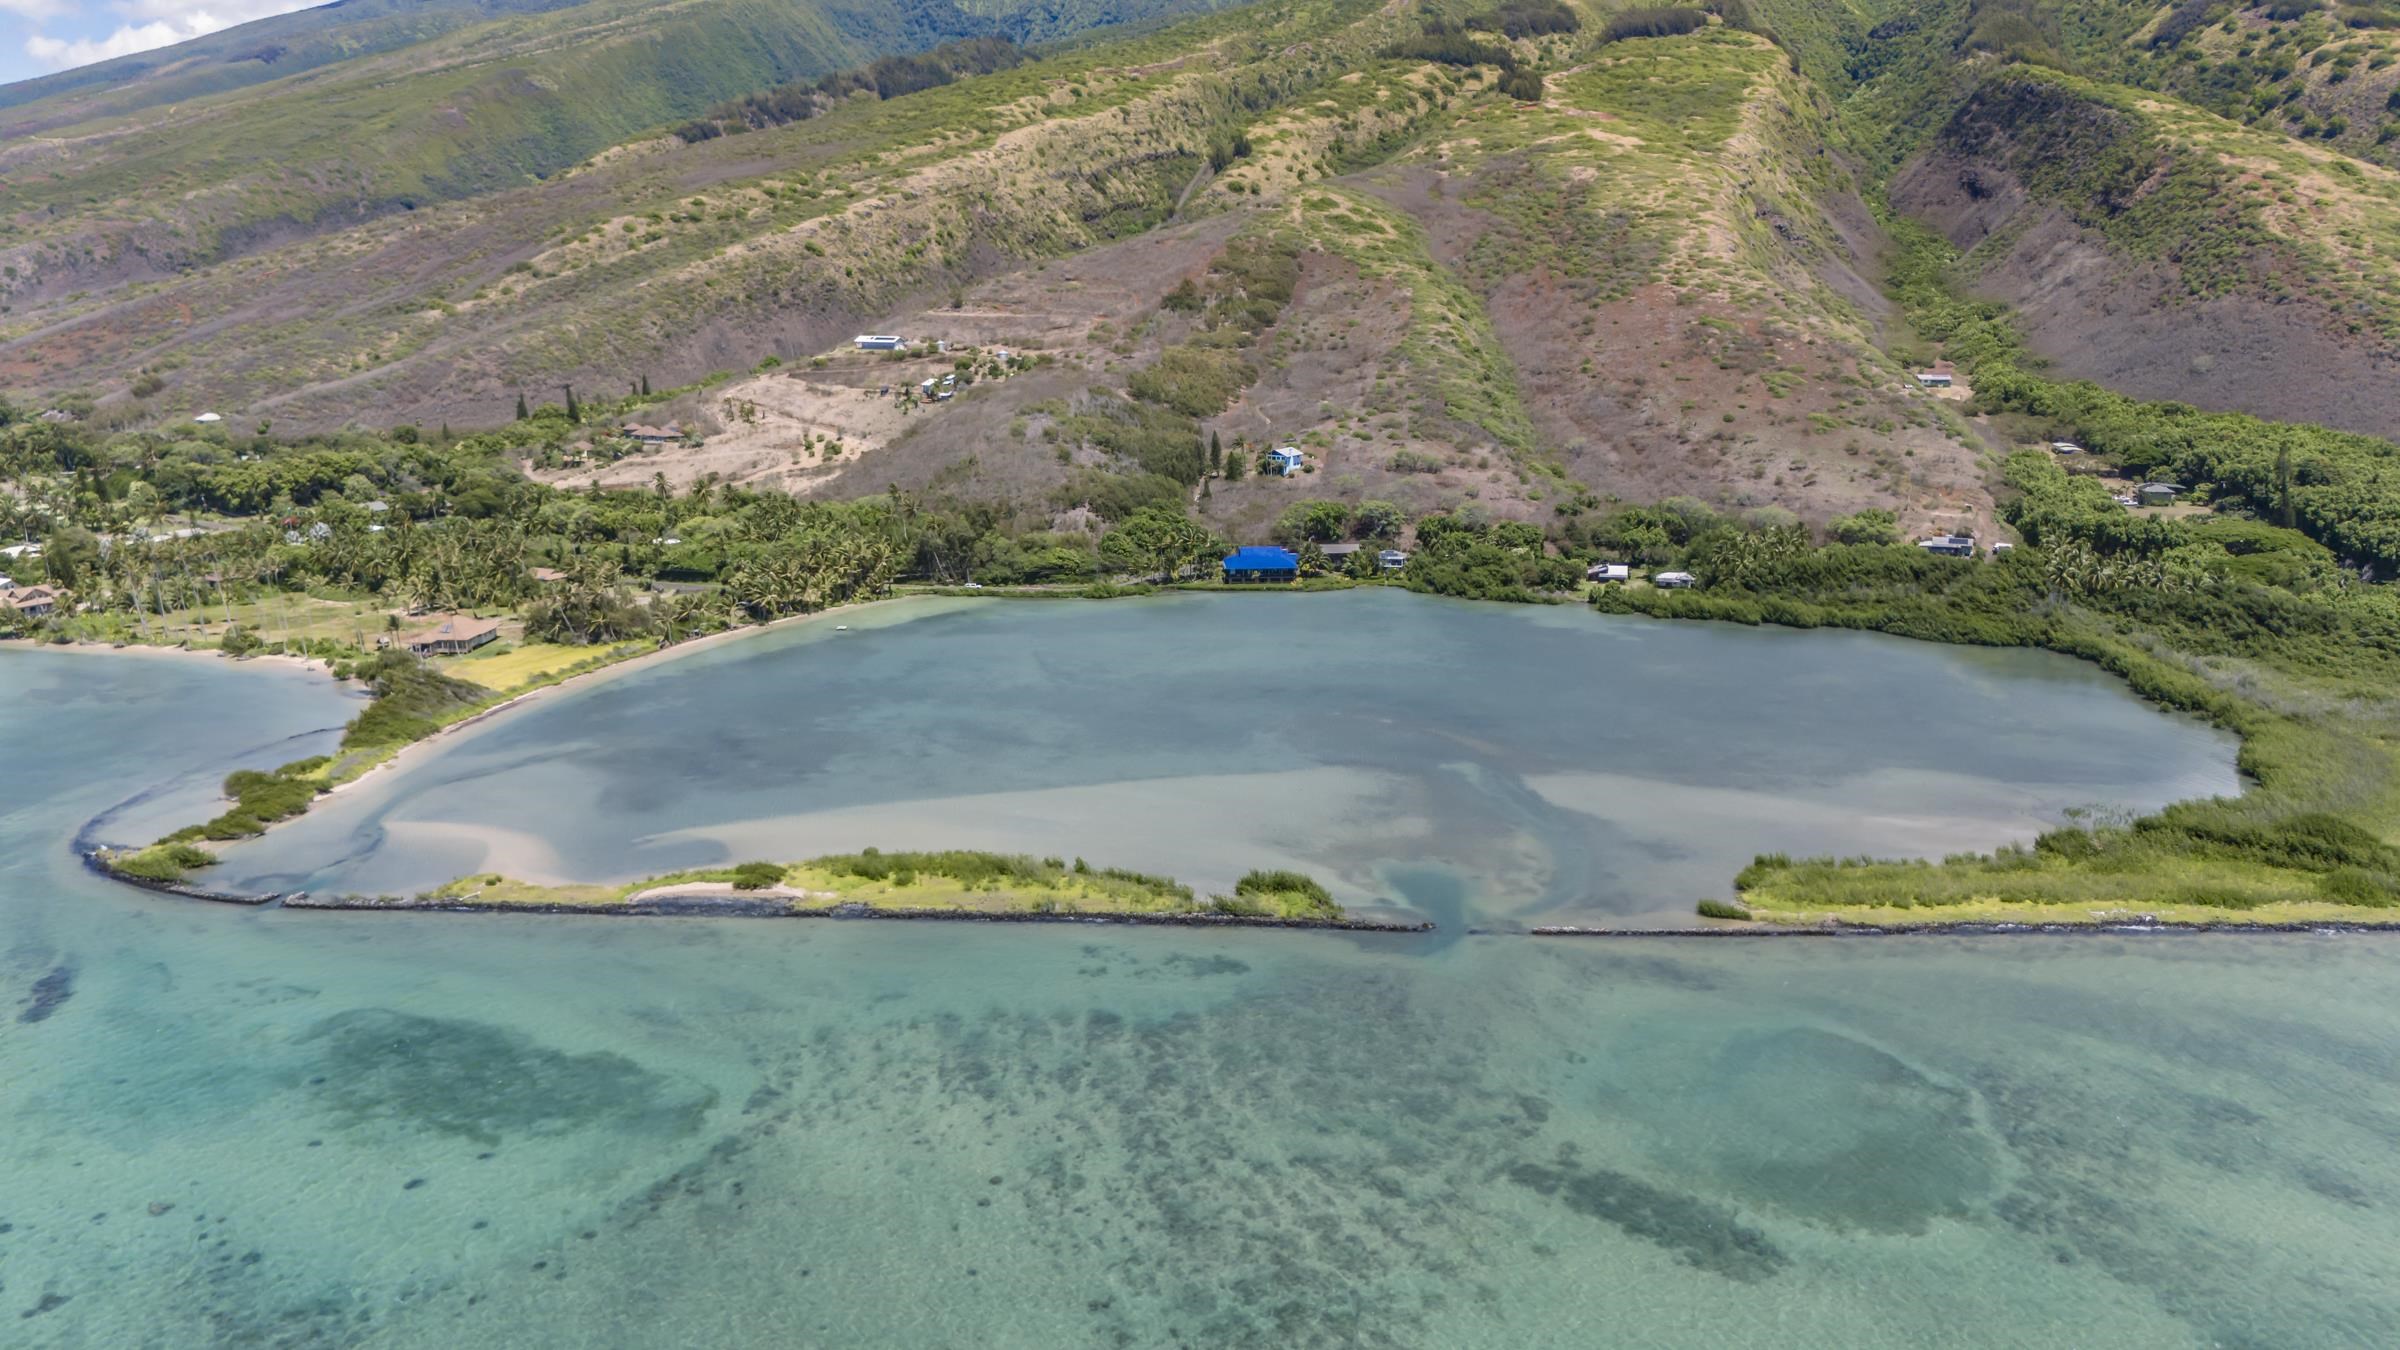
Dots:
pixel 285 662
pixel 186 886
pixel 642 660
pixel 666 903
pixel 710 905
pixel 1968 928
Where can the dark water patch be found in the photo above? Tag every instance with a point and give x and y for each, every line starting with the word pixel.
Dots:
pixel 2099 1192
pixel 2333 1185
pixel 1812 1123
pixel 1702 1234
pixel 1201 967
pixel 46 1303
pixel 1660 971
pixel 487 1083
pixel 49 994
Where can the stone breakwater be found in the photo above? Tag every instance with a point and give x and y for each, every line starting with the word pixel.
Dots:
pixel 98 860
pixel 735 907
pixel 1981 928
pixel 720 906
pixel 714 906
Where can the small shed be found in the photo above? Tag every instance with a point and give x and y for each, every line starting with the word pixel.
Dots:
pixel 1340 553
pixel 548 576
pixel 2065 448
pixel 1673 581
pixel 2159 494
pixel 1261 563
pixel 1608 571
pixel 1391 559
pixel 2002 548
pixel 1934 379
pixel 1286 459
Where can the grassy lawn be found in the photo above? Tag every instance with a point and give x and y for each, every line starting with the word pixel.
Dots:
pixel 504 668
pixel 311 617
pixel 2287 912
pixel 491 888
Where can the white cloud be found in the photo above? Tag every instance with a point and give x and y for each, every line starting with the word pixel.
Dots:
pixel 151 23
pixel 60 53
pixel 214 13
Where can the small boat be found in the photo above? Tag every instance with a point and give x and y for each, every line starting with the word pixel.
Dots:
pixel 841 628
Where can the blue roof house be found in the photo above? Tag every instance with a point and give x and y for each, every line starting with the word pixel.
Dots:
pixel 1261 563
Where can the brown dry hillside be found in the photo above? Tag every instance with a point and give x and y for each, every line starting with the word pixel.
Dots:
pixel 672 260
pixel 1646 273
pixel 1625 291
pixel 2173 255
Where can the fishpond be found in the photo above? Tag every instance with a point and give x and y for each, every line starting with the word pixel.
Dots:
pixel 279 1128
pixel 1474 763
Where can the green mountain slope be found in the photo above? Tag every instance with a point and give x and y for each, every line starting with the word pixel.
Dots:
pixel 142 188
pixel 233 58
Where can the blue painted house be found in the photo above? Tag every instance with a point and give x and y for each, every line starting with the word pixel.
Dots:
pixel 1261 563
pixel 1286 459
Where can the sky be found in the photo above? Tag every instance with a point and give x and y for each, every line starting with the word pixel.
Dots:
pixel 40 36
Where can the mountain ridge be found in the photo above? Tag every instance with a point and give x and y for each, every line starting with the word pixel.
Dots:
pixel 1621 255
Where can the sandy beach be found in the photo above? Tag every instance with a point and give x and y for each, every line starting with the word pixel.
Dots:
pixel 410 752
pixel 267 660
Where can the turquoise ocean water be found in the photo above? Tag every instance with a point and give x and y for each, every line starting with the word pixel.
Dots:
pixel 223 1126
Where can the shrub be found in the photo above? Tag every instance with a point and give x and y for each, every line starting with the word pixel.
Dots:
pixel 1294 895
pixel 410 697
pixel 757 876
pixel 1650 23
pixel 1193 380
pixel 1719 909
pixel 1527 18
pixel 2359 886
pixel 163 862
pixel 1451 49
pixel 1320 522
pixel 1873 526
pixel 1525 86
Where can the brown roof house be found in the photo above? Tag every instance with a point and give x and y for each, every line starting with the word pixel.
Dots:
pixel 548 576
pixel 653 435
pixel 31 601
pixel 454 635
